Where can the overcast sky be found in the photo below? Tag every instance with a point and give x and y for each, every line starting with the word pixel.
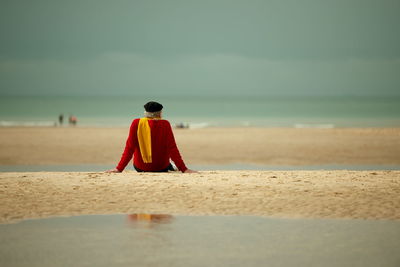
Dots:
pixel 161 47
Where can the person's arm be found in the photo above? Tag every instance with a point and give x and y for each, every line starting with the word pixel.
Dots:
pixel 174 152
pixel 128 151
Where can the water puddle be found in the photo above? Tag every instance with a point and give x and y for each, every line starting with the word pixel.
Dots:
pixel 166 240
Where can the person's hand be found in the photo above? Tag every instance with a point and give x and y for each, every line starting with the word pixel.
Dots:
pixel 115 170
pixel 190 171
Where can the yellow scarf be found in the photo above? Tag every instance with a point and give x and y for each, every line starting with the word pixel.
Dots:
pixel 144 138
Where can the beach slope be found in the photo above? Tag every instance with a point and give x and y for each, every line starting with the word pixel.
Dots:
pixel 288 194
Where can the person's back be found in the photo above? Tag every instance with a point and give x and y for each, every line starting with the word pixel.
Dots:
pixel 152 144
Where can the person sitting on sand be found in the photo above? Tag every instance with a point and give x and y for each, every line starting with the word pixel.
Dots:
pixel 152 144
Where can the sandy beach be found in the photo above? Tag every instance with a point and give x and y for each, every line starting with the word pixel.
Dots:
pixel 287 194
pixel 265 146
pixel 309 194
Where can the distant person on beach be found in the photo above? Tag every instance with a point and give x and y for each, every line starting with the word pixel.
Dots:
pixel 61 119
pixel 152 144
pixel 73 120
pixel 181 125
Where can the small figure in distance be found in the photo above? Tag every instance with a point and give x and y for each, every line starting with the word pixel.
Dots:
pixel 61 119
pixel 151 143
pixel 72 120
pixel 181 125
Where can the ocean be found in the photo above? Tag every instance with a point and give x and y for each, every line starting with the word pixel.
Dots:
pixel 196 112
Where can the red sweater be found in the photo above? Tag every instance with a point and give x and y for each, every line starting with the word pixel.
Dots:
pixel 163 147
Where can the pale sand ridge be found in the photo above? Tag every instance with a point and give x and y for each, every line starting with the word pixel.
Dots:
pixel 314 194
pixel 311 194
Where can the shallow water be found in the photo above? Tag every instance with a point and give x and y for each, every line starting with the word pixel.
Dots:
pixel 206 111
pixel 165 240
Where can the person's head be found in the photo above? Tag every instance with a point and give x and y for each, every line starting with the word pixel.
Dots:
pixel 153 109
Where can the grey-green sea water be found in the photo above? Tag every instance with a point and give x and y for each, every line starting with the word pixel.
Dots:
pixel 322 112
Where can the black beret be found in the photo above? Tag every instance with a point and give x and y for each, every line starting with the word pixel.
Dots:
pixel 153 106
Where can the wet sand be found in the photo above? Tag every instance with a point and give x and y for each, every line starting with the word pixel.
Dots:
pixel 283 194
pixel 265 146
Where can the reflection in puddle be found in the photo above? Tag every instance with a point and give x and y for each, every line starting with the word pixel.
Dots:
pixel 165 240
pixel 148 220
